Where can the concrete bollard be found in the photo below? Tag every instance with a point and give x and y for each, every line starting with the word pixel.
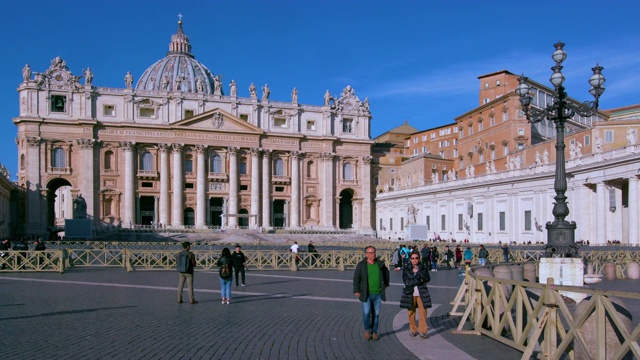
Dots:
pixel 633 270
pixel 530 272
pixel 517 272
pixel 610 271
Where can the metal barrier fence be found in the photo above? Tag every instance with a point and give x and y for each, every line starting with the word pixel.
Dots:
pixel 535 319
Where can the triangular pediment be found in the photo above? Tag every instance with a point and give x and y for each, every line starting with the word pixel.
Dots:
pixel 217 120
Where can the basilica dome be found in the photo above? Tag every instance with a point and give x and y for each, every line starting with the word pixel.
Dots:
pixel 179 70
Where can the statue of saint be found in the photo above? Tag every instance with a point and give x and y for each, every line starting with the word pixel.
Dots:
pixel 599 145
pixel 252 91
pixel 128 80
pixel 26 73
pixel 217 85
pixel 631 136
pixel 88 76
pixel 199 86
pixel 327 98
pixel 294 96
pixel 165 82
pixel 265 92
pixel 233 88
pixel 79 208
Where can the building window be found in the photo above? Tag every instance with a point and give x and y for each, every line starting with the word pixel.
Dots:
pixel 460 222
pixel 442 154
pixel 109 110
pixel 470 130
pixel 279 168
pixel 58 103
pixel 146 184
pixel 401 224
pixel 281 123
pixel 480 127
pixel 311 125
pixel 347 171
pixel 108 160
pixel 428 222
pixel 376 181
pixel 424 149
pixel 520 131
pixel 147 161
pixel 390 224
pixel 244 117
pixel 59 158
pixel 455 153
pixel 22 161
pixel 486 85
pixel 147 112
pixel 242 167
pixel 347 125
pixel 188 185
pixel 216 164
pixel 188 114
pixel 486 100
pixel 246 187
pixel 443 222
pixel 608 136
pixel 504 116
pixel 497 82
pixel 380 227
pixel 587 140
pixel 481 160
pixel 188 163
pixel 505 150
pixel 520 146
pixel 480 222
pixel 527 220
pixel 492 121
pixel 493 154
pixel 503 220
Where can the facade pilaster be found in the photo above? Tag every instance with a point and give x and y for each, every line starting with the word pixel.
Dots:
pixel 634 213
pixel 129 180
pixel 365 181
pixel 295 189
pixel 35 201
pixel 201 187
pixel 328 197
pixel 233 187
pixel 164 183
pixel 87 145
pixel 266 188
pixel 255 188
pixel 601 213
pixel 176 205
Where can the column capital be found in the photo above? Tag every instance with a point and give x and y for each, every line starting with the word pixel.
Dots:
pixel 177 147
pixel 126 145
pixel 86 143
pixel 255 151
pixel 34 141
pixel 163 147
pixel 233 150
pixel 266 153
pixel 200 149
pixel 327 156
pixel 297 154
pixel 367 159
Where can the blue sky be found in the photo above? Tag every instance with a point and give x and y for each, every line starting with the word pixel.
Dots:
pixel 415 60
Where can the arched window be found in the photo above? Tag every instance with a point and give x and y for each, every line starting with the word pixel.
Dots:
pixel 22 161
pixel 59 158
pixel 310 170
pixel 347 171
pixel 107 206
pixel 242 167
pixel 279 168
pixel 147 161
pixel 216 164
pixel 108 160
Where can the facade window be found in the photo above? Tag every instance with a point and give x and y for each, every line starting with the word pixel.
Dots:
pixel 480 127
pixel 381 226
pixel 486 100
pixel 520 131
pixel 347 126
pixel 311 170
pixel 481 157
pixel 188 114
pixel 455 153
pixel 443 222
pixel 505 151
pixel 147 161
pixel 390 224
pixel 188 163
pixel 242 167
pixel 462 163
pixel 188 185
pixel 497 82
pixel 279 168
pixel 480 222
pixel 109 110
pixel 311 125
pixel 493 154
pixel 442 154
pixel 587 140
pixel 415 140
pixel 376 181
pixel 415 151
pixel 23 161
pixel 503 220
pixel 59 158
pixel 428 222
pixel 527 220
pixel 608 136
pixel 244 117
pixel 492 121
pixel 216 164
pixel 58 103
pixel 281 123
pixel 504 116
pixel 520 146
pixel 401 224
pixel 424 149
pixel 147 112
pixel 470 130
pixel 347 171
pixel 424 137
pixel 460 222
pixel 486 85
pixel 108 160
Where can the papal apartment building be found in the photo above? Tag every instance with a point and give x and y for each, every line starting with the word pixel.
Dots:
pixel 177 148
pixel 488 177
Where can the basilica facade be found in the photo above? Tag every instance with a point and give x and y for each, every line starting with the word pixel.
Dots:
pixel 180 149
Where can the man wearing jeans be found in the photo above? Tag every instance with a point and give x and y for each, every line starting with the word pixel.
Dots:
pixel 370 279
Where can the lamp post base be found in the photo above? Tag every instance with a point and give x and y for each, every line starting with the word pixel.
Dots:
pixel 561 239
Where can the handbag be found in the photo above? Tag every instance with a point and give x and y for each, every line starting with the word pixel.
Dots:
pixel 407 290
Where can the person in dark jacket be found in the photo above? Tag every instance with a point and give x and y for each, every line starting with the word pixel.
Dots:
pixel 415 295
pixel 426 261
pixel 225 265
pixel 370 279
pixel 188 275
pixel 458 256
pixel 238 263
pixel 434 256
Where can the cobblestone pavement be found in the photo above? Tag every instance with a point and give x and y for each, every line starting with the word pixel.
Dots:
pixel 100 313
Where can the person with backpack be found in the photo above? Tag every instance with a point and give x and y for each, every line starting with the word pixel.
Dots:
pixel 186 264
pixel 483 254
pixel 225 265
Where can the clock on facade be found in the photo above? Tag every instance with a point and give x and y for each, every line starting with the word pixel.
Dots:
pixel 58 77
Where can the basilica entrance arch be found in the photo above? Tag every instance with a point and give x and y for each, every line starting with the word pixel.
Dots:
pixel 346 209
pixel 243 220
pixel 59 202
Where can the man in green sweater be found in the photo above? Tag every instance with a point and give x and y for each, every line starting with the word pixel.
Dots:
pixel 370 279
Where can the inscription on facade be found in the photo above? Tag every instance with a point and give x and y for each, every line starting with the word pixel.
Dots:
pixel 175 134
pixel 280 141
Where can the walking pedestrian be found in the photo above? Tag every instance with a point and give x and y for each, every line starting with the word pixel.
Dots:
pixel 370 280
pixel 416 294
pixel 505 252
pixel 434 257
pixel 458 256
pixel 468 256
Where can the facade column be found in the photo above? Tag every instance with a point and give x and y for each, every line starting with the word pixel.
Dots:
pixel 327 191
pixel 35 203
pixel 88 177
pixel 634 213
pixel 155 211
pixel 176 205
pixel 365 181
pixel 225 221
pixel 295 189
pixel 165 170
pixel 201 187
pixel 601 213
pixel 129 181
pixel 255 188
pixel 233 187
pixel 266 188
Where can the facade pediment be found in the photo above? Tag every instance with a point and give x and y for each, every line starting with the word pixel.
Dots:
pixel 218 120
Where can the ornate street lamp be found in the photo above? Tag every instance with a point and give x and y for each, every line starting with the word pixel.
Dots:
pixel 560 232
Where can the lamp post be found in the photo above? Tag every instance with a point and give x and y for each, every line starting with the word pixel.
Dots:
pixel 560 232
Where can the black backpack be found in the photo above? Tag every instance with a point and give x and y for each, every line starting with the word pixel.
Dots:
pixel 184 262
pixel 225 268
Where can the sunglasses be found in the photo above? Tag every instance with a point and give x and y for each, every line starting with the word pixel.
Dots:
pixel 415 258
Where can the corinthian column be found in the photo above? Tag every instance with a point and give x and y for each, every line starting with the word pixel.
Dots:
pixel 87 175
pixel 601 211
pixel 328 198
pixel 634 214
pixel 176 206
pixel 365 186
pixel 201 187
pixel 233 187
pixel 129 180
pixel 266 188
pixel 255 187
pixel 35 200
pixel 295 189
pixel 164 183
